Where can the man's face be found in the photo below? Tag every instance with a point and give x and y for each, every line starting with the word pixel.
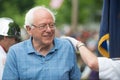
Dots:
pixel 44 28
pixel 12 40
pixel 9 41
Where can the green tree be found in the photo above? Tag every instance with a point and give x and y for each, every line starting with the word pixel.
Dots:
pixel 88 10
pixel 15 9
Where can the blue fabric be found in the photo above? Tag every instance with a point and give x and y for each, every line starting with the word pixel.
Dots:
pixel 24 63
pixel 110 25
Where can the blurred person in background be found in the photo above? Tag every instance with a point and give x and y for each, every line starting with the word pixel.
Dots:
pixel 9 35
pixel 42 56
pixel 108 68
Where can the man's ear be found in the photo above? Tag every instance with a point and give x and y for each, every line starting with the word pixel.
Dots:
pixel 28 28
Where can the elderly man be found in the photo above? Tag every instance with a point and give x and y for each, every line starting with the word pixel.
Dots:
pixel 43 56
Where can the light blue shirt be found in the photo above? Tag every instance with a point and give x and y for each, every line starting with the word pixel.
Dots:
pixel 24 63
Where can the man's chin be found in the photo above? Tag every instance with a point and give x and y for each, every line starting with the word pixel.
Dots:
pixel 48 42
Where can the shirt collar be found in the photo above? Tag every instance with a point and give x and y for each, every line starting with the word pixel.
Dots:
pixel 30 48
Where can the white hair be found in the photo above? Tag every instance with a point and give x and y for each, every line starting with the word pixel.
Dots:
pixel 29 15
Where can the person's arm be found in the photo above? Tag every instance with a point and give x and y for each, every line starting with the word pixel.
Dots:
pixel 107 65
pixel 87 56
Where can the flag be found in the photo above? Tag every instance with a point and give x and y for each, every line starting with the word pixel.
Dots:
pixel 109 40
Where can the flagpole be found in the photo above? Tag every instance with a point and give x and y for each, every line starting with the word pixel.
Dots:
pixel 74 16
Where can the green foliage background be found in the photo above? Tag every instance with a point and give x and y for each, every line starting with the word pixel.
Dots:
pixel 88 10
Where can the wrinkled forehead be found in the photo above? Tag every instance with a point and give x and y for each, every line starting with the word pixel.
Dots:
pixel 42 14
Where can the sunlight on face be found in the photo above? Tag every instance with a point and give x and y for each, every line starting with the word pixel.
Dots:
pixel 45 34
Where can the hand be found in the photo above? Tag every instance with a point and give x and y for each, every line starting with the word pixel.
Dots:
pixel 72 40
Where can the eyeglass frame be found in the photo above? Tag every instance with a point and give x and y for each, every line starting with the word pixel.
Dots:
pixel 45 26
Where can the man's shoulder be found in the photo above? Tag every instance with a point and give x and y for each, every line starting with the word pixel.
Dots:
pixel 61 40
pixel 21 44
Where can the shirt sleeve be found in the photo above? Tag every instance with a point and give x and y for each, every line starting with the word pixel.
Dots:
pixel 10 69
pixel 109 69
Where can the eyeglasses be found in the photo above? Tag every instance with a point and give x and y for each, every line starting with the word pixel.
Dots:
pixel 45 26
